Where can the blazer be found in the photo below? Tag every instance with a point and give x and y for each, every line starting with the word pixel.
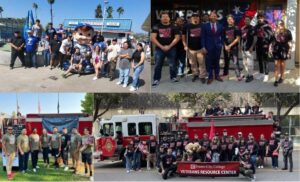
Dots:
pixel 212 40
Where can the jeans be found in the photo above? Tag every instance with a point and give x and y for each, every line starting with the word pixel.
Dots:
pixel 262 56
pixel 181 62
pixel 248 62
pixel 232 55
pixel 288 157
pixel 23 161
pixel 215 157
pixel 124 75
pixel 31 58
pixel 64 155
pixel 137 160
pixel 253 162
pixel 46 56
pixel 274 161
pixel 136 75
pixel 46 154
pixel 34 158
pixel 159 57
pixel 129 161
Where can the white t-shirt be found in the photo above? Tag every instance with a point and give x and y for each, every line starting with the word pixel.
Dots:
pixel 36 31
pixel 115 49
pixel 65 44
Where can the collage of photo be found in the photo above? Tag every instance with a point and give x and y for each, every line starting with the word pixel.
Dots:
pixel 149 90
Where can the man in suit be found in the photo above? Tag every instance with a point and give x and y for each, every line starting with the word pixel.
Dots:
pixel 212 42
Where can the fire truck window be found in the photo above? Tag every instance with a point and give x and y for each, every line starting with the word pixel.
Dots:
pixel 145 128
pixel 108 129
pixel 131 129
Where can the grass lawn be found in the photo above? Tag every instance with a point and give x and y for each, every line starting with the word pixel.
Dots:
pixel 44 174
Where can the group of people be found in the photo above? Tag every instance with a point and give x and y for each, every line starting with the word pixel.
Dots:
pixel 66 49
pixel 201 41
pixel 218 110
pixel 59 145
pixel 250 152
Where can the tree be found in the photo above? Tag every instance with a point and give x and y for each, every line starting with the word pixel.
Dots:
pixel 87 104
pixel 98 12
pixel 51 2
pixel 35 7
pixel 120 11
pixel 1 10
pixel 199 100
pixel 109 12
pixel 288 100
pixel 105 101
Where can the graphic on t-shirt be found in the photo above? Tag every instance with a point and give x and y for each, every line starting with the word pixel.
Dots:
pixel 195 32
pixel 244 33
pixel 230 35
pixel 260 33
pixel 165 32
pixel 280 38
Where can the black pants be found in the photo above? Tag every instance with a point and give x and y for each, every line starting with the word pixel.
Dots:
pixel 111 69
pixel 289 157
pixel 46 154
pixel 262 57
pixel 34 158
pixel 232 55
pixel 170 169
pixel 62 58
pixel 64 155
pixel 224 156
pixel 23 161
pixel 14 55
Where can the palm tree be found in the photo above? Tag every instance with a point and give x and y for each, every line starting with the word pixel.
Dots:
pixel 120 11
pixel 1 10
pixel 98 12
pixel 51 2
pixel 35 7
pixel 109 12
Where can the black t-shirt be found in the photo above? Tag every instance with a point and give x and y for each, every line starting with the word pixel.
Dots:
pixel 98 38
pixel 168 160
pixel 262 145
pixel 64 140
pixel 252 148
pixel 136 144
pixel 215 148
pixel 247 38
pixel 264 35
pixel 205 144
pixel 172 144
pixel 136 57
pixel 55 45
pixel 17 41
pixel 273 144
pixel 193 33
pixel 282 39
pixel 179 145
pixel 209 111
pixel 152 145
pixel 165 33
pixel 223 146
pixel 50 33
pixel 185 142
pixel 165 144
pixel 231 146
pixel 230 34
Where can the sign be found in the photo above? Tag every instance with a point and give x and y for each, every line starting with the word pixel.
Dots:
pixel 95 23
pixel 208 169
pixel 113 24
pixel 108 146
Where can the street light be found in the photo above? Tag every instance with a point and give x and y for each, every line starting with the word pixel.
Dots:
pixel 104 7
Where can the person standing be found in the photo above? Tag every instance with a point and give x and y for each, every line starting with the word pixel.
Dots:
pixel 45 144
pixel 125 56
pixel 212 42
pixel 281 50
pixel 137 64
pixel 137 155
pixel 60 32
pixel 34 143
pixel 248 40
pixel 9 150
pixel 37 29
pixel 24 150
pixel 50 31
pixel 261 151
pixel 129 156
pixel 165 37
pixel 46 50
pixel 287 146
pixel 86 152
pixel 65 144
pixel 232 35
pixel 252 148
pixel 273 150
pixel 112 56
pixel 55 146
pixel 192 41
pixel 97 62
pixel 264 35
pixel 74 148
pixel 180 52
pixel 65 50
pixel 17 49
pixel 55 45
pixel 31 44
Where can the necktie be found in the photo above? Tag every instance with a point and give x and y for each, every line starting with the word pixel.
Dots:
pixel 213 28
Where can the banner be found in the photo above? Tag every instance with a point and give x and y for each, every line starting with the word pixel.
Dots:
pixel 60 122
pixel 208 169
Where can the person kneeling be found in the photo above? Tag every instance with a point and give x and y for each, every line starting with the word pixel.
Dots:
pixel 76 63
pixel 246 166
pixel 168 164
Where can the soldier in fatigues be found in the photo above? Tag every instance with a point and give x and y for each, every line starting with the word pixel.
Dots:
pixel 287 146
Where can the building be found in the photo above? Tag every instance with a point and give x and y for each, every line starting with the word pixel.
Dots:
pixel 287 10
pixel 111 28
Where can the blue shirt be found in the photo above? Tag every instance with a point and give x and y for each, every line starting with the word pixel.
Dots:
pixel 31 44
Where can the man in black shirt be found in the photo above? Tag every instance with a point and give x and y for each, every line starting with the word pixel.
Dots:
pixel 209 111
pixel 180 57
pixel 248 40
pixel 54 51
pixel 50 31
pixel 151 156
pixel 65 144
pixel 17 49
pixel 232 36
pixel 164 36
pixel 168 164
pixel 191 40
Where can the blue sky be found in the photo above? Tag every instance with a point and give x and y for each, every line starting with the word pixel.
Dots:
pixel 137 10
pixel 28 102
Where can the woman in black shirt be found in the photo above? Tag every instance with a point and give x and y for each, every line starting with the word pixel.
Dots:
pixel 137 64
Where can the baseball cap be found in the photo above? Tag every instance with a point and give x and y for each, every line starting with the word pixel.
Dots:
pixel 82 25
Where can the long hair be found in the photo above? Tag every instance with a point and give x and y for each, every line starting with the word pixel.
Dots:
pixel 282 24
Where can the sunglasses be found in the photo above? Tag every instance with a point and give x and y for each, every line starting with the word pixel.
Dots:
pixel 9 129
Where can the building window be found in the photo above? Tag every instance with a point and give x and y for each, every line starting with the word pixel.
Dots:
pixel 145 128
pixel 131 129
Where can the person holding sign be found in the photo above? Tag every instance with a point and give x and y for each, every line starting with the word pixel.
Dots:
pixel 9 150
pixel 23 147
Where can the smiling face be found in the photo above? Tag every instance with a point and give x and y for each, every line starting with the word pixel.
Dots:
pixel 83 34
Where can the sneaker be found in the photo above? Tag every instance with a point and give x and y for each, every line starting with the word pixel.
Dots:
pixel 174 80
pixel 140 170
pixel 266 78
pixel 34 170
pixel 37 167
pixel 9 177
pixel 239 78
pixel 275 83
pixel 124 85
pixel 194 78
pixel 148 168
pixel 258 167
pixel 91 178
pixel 280 80
pixel 95 78
pixel 262 167
pixel 66 168
pixel 128 171
pixel 119 83
pixel 132 89
pixel 249 78
pixel 155 83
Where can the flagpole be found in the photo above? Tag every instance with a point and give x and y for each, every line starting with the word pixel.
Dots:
pixel 57 103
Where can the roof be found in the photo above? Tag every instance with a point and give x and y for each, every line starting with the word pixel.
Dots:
pixel 110 25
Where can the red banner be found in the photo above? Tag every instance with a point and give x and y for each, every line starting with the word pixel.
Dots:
pixel 208 169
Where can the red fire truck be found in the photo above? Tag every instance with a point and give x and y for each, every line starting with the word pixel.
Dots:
pixel 116 133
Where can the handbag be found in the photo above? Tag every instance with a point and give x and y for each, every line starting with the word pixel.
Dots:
pixel 275 153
